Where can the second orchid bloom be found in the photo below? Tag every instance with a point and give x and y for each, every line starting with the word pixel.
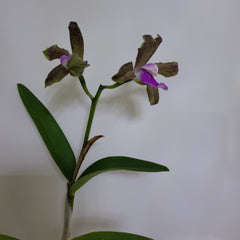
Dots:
pixel 144 73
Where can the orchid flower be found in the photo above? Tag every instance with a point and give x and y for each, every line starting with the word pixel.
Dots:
pixel 144 73
pixel 69 63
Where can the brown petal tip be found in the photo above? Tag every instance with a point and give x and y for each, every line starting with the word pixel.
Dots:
pixel 76 39
pixel 56 75
pixel 153 95
pixel 147 49
pixel 54 52
pixel 168 69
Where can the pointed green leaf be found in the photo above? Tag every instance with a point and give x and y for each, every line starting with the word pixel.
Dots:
pixel 5 237
pixel 50 132
pixel 115 163
pixel 111 236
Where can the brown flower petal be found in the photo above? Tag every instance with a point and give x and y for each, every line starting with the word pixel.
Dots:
pixel 146 50
pixel 76 39
pixel 54 52
pixel 168 69
pixel 153 95
pixel 56 75
pixel 125 73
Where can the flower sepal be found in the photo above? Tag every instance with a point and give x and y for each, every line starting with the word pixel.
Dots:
pixel 168 69
pixel 125 73
pixel 55 52
pixel 56 75
pixel 153 95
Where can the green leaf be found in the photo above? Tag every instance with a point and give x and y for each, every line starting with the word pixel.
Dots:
pixel 50 132
pixel 111 236
pixel 115 163
pixel 5 237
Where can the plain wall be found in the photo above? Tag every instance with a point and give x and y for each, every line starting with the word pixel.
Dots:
pixel 194 130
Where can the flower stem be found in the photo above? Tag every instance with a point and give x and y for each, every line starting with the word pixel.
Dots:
pixel 91 113
pixel 93 107
pixel 85 147
pixel 84 86
pixel 68 209
pixel 115 85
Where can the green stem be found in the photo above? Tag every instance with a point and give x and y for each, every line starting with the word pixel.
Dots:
pixel 91 113
pixel 93 107
pixel 115 85
pixel 68 209
pixel 70 199
pixel 84 86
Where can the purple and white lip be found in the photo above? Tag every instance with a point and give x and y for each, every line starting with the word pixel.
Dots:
pixel 64 59
pixel 146 74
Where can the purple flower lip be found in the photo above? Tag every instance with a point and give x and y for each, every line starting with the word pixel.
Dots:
pixel 163 86
pixel 146 73
pixel 64 59
pixel 152 68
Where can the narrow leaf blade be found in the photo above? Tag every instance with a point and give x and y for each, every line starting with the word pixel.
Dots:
pixel 50 132
pixel 105 235
pixel 116 163
pixel 5 237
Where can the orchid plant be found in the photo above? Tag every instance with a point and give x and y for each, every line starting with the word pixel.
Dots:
pixel 143 73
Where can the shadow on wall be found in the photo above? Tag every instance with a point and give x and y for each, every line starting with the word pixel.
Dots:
pixel 28 207
pixel 125 98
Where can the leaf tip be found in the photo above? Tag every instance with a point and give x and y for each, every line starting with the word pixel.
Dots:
pixel 19 85
pixel 167 169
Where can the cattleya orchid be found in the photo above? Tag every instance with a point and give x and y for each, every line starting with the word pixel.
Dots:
pixel 56 142
pixel 144 73
pixel 69 63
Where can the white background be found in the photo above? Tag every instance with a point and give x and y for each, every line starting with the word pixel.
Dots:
pixel 194 130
